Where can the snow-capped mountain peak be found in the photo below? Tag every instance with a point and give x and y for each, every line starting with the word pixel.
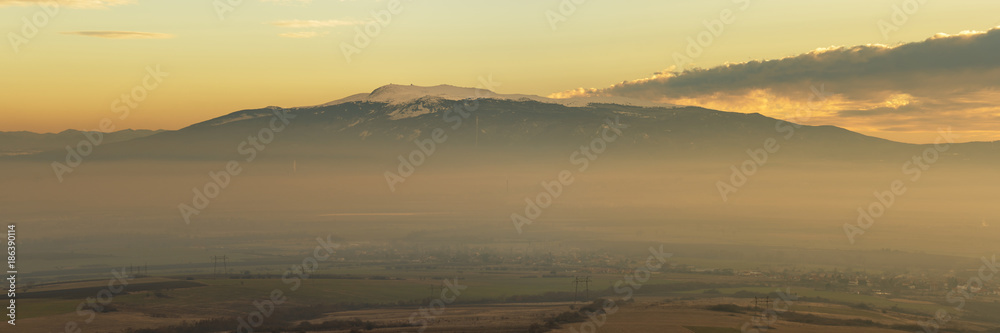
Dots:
pixel 401 94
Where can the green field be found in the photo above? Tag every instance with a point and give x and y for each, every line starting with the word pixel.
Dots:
pixel 239 293
pixel 838 297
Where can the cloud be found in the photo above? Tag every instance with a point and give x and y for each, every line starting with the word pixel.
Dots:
pixel 89 4
pixel 312 24
pixel 302 34
pixel 289 2
pixel 945 80
pixel 316 23
pixel 120 34
pixel 299 2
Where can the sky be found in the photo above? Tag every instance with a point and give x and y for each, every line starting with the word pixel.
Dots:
pixel 880 70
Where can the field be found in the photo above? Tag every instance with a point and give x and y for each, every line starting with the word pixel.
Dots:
pixel 504 284
pixel 504 301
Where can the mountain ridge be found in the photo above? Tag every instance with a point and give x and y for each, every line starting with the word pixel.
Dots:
pixel 27 143
pixel 398 94
pixel 388 120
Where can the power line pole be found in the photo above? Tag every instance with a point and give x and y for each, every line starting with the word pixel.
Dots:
pixel 756 305
pixel 433 288
pixel 215 265
pixel 576 286
pixel 758 300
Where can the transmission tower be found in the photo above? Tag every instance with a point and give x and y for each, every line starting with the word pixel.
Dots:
pixel 215 265
pixel 433 288
pixel 577 280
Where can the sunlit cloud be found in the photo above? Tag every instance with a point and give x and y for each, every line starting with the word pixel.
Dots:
pixel 68 3
pixel 946 80
pixel 302 34
pixel 286 2
pixel 120 34
pixel 315 23
pixel 302 2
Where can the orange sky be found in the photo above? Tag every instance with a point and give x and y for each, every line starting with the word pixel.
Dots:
pixel 87 54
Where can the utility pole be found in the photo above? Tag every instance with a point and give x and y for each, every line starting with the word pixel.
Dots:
pixel 433 288
pixel 756 305
pixel 576 286
pixel 215 265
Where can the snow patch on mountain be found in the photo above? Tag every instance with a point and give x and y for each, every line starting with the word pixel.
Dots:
pixel 409 112
pixel 239 116
pixel 400 94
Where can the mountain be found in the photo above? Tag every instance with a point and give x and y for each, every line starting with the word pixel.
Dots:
pixel 384 123
pixel 26 143
pixel 400 94
pixel 345 157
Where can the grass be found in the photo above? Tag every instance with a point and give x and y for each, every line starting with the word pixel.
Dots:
pixel 840 311
pixel 834 296
pixel 480 287
pixel 31 308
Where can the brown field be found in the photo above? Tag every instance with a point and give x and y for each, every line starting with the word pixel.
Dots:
pixel 105 322
pixel 911 301
pixel 485 318
pixel 677 317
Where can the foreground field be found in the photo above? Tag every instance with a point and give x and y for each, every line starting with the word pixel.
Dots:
pixel 680 312
pixel 652 317
pixel 378 299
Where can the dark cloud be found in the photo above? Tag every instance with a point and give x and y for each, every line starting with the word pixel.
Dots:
pixel 951 77
pixel 969 59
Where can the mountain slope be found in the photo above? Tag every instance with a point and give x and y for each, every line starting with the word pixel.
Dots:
pixel 384 123
pixel 25 143
pixel 399 94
